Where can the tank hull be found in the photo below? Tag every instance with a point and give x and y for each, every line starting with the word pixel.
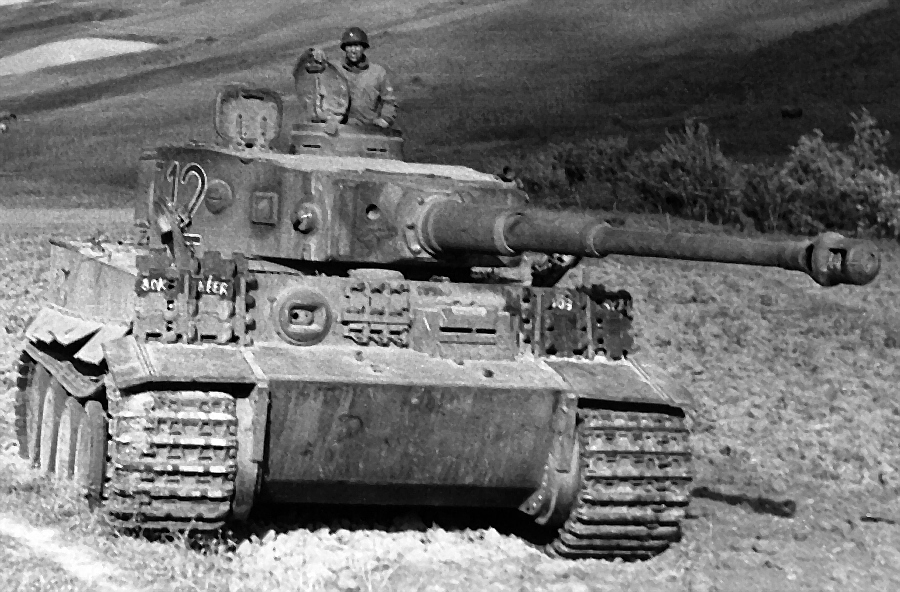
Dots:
pixel 404 443
pixel 343 425
pixel 389 391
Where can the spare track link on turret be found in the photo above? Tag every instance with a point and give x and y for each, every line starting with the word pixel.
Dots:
pixel 172 460
pixel 635 473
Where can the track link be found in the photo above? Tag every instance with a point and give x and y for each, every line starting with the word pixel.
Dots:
pixel 172 460
pixel 26 369
pixel 635 473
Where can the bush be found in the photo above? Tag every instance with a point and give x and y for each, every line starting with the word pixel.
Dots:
pixel 839 188
pixel 689 176
pixel 590 174
pixel 820 185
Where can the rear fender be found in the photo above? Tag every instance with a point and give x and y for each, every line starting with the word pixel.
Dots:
pixel 69 345
pixel 89 303
pixel 94 280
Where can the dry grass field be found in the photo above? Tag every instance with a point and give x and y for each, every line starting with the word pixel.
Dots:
pixel 797 421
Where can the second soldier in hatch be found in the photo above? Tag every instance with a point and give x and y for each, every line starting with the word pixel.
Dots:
pixel 372 100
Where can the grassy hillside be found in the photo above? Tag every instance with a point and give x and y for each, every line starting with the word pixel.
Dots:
pixel 494 78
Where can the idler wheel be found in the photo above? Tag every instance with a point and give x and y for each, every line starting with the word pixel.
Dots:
pixel 302 316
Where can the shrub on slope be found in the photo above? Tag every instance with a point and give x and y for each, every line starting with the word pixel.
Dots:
pixel 819 185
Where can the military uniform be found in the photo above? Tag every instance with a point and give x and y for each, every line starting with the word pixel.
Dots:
pixel 371 93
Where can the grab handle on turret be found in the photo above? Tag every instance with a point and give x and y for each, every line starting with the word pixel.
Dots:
pixel 450 226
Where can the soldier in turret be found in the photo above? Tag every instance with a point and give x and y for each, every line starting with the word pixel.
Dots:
pixel 372 100
pixel 6 120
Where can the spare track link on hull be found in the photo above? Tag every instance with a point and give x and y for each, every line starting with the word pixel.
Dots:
pixel 172 460
pixel 635 473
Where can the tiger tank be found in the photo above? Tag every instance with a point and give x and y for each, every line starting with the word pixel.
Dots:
pixel 327 323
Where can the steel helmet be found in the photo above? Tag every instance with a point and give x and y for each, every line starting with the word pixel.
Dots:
pixel 354 35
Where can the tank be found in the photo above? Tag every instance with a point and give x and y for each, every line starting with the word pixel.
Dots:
pixel 331 328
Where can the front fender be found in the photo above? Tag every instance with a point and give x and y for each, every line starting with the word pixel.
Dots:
pixel 133 365
pixel 626 381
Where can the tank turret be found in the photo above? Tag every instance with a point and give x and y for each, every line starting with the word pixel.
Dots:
pixel 419 219
pixel 328 207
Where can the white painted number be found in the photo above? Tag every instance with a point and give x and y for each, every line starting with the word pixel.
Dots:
pixel 192 169
pixel 561 302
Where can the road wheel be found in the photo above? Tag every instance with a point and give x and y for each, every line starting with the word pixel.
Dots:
pixel 54 403
pixel 90 451
pixel 26 375
pixel 67 438
pixel 33 382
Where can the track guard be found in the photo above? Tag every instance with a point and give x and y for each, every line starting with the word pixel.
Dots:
pixel 551 503
pixel 619 468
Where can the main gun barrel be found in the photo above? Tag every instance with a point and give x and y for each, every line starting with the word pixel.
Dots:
pixel 450 227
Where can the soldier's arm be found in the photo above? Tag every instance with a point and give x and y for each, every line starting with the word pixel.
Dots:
pixel 388 99
pixel 312 56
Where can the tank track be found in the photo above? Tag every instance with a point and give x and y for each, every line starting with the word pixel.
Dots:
pixel 172 460
pixel 635 474
pixel 26 369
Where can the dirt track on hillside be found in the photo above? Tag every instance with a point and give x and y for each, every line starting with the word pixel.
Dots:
pixel 259 45
pixel 264 36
